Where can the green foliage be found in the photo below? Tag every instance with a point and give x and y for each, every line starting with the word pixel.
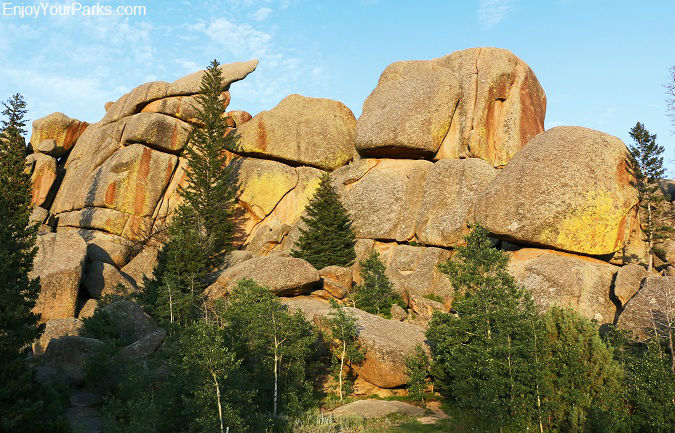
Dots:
pixel 342 335
pixel 649 385
pixel 433 297
pixel 179 388
pixel 508 365
pixel 375 294
pixel 580 379
pixel 328 238
pixel 202 227
pixel 646 164
pixel 278 348
pixel 417 368
pixel 22 404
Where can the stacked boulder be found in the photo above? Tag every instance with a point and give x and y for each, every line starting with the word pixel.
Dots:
pixel 440 145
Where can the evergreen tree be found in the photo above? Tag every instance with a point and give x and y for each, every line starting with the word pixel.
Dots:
pixel 21 406
pixel 582 382
pixel 647 166
pixel 201 229
pixel 328 238
pixel 375 294
pixel 278 347
pixel 488 357
pixel 342 336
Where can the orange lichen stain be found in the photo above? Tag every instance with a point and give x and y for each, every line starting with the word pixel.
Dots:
pixel 174 136
pixel 141 176
pixel 110 194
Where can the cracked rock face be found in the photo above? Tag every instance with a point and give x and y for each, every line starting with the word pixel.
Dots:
pixel 478 103
pixel 119 171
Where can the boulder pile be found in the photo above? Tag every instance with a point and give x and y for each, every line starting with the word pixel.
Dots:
pixel 441 144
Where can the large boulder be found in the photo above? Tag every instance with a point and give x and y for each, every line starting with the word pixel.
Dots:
pixel 142 266
pixel 569 188
pixel 449 190
pixel 387 342
pixel 383 196
pixel 369 409
pixel 64 130
pixel 337 281
pixel 628 281
pixel 43 173
pixel 648 311
pixel 70 354
pixel 181 107
pixel 502 107
pixel 157 131
pixel 59 264
pixel 300 130
pixel 410 111
pixel 57 328
pixel 134 101
pixel 107 248
pixel 282 275
pixel 477 103
pixel 566 280
pixel 103 279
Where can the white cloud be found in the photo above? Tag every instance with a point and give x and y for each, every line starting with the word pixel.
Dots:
pixel 492 12
pixel 262 14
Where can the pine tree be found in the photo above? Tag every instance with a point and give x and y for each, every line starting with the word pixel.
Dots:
pixel 21 408
pixel 201 229
pixel 375 294
pixel 328 238
pixel 647 167
pixel 488 357
pixel 342 335
pixel 582 382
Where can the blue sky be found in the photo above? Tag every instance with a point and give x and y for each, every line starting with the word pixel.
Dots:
pixel 602 64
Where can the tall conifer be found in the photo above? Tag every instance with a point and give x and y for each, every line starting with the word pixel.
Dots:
pixel 202 227
pixel 328 238
pixel 21 406
pixel 647 165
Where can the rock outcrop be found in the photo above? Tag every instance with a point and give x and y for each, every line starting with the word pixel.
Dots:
pixel 61 130
pixel 569 189
pixel 477 103
pixel 387 342
pixel 566 280
pixel 57 328
pixel 283 276
pixel 59 264
pixel 628 281
pixel 648 311
pixel 369 409
pixel 301 131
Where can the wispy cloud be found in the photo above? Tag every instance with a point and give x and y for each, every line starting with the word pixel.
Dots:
pixel 492 12
pixel 262 14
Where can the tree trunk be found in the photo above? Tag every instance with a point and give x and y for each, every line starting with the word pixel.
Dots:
pixel 342 365
pixel 276 382
pixel 220 407
pixel 650 238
